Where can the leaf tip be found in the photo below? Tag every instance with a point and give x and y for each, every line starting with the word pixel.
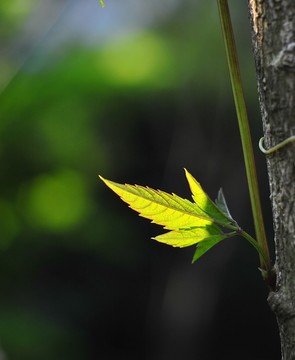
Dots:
pixel 186 172
pixel 108 183
pixel 190 177
pixel 102 178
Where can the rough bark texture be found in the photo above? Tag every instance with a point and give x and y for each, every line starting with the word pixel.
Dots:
pixel 273 29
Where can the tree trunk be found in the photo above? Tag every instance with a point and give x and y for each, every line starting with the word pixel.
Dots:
pixel 273 30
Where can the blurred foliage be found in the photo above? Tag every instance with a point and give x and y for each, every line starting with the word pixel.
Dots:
pixel 56 202
pixel 12 15
pixel 74 268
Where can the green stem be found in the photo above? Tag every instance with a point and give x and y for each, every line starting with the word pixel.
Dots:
pixel 263 258
pixel 241 110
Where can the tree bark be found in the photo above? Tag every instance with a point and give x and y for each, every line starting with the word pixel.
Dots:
pixel 273 37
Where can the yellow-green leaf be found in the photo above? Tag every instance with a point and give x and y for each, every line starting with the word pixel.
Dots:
pixel 204 202
pixel 168 210
pixel 183 238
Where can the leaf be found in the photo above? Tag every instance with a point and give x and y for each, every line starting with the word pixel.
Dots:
pixel 222 205
pixel 203 200
pixel 101 3
pixel 188 237
pixel 168 210
pixel 206 245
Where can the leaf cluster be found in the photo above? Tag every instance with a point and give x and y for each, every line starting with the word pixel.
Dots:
pixel 202 222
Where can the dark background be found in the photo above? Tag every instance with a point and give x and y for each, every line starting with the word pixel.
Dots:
pixel 135 92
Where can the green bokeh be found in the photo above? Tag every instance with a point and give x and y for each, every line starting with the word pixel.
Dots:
pixel 139 60
pixel 38 337
pixel 56 202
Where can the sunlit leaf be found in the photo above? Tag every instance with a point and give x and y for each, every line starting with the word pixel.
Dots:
pixel 203 200
pixel 188 237
pixel 101 3
pixel 168 210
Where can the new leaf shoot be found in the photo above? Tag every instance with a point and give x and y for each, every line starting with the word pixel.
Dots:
pixel 200 222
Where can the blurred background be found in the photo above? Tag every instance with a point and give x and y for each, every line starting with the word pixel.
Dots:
pixel 135 92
